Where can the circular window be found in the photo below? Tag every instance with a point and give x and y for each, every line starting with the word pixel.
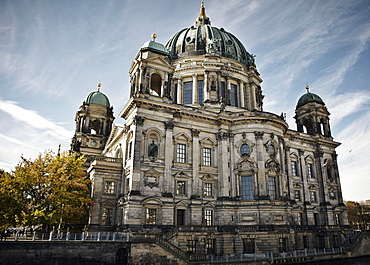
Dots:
pixel 230 42
pixel 245 149
pixel 271 150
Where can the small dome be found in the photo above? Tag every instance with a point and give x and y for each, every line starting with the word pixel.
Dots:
pixel 154 46
pixel 309 97
pixel 97 97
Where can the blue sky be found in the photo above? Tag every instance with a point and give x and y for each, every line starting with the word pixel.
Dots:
pixel 53 54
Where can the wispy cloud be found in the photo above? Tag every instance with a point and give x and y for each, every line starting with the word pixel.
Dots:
pixel 346 104
pixel 33 119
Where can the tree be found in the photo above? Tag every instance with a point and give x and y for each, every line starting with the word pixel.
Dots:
pixel 358 215
pixel 50 190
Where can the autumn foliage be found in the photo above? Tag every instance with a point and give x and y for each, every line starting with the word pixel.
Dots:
pixel 50 190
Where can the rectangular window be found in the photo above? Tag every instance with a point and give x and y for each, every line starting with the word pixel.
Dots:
pixel 272 187
pixel 175 94
pixel 207 156
pixel 321 242
pixel 223 90
pixel 297 195
pixel 151 216
pixel 208 217
pixel 200 92
pixel 210 246
pixel 294 168
pixel 305 241
pixel 180 188
pixel 188 92
pixel 247 188
pixel 310 171
pixel 180 217
pixel 109 187
pixel 107 216
pixel 181 153
pixel 316 218
pixel 313 196
pixel 249 246
pixel 207 189
pixel 129 150
pixel 335 241
pixel 191 247
pixel 233 95
pixel 283 244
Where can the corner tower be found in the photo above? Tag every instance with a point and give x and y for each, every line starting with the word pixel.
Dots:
pixel 312 115
pixel 93 124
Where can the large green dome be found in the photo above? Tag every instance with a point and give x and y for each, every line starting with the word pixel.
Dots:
pixel 99 98
pixel 203 38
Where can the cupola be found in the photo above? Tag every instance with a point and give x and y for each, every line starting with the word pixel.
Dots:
pixel 312 116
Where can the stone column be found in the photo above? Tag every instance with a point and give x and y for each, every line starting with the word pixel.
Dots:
pixel 285 187
pixel 218 82
pixel 196 162
pixel 179 91
pixel 322 189
pixel 136 146
pixel 228 91
pixel 140 85
pixel 86 125
pixel 163 81
pixel 232 184
pixel 241 94
pixel 223 169
pixel 168 156
pixel 205 86
pixel 195 88
pixel 261 175
pixel 253 96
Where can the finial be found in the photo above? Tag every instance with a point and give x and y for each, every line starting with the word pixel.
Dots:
pixel 308 89
pixel 202 19
pixel 99 85
pixel 154 36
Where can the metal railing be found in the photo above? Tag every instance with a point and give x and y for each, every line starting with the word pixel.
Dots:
pixel 275 256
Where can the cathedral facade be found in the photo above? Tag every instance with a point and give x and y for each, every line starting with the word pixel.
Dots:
pixel 199 159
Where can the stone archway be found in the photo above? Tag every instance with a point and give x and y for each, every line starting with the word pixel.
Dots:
pixel 122 256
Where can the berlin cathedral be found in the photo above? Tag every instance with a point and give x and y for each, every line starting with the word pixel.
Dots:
pixel 198 159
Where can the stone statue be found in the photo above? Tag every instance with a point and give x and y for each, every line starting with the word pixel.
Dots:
pixel 153 150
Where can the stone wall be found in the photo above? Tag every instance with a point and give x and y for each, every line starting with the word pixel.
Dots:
pixel 84 253
pixel 71 252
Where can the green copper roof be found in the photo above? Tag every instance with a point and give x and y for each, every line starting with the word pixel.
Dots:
pixel 203 39
pixel 155 46
pixel 309 97
pixel 97 97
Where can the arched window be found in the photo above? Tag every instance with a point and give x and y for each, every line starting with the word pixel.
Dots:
pixel 308 125
pixel 95 127
pixel 155 84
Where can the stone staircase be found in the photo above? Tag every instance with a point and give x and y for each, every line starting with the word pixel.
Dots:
pixel 164 241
